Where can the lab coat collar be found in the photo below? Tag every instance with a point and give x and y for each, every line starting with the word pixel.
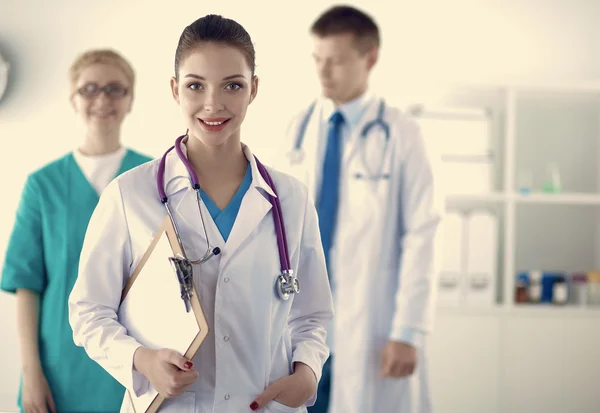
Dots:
pixel 257 180
pixel 177 176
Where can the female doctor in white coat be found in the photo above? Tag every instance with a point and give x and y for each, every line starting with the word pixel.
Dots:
pixel 262 352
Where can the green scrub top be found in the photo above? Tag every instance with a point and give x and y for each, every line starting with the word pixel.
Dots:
pixel 43 255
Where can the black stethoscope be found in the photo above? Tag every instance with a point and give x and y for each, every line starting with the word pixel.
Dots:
pixel 286 283
pixel 297 154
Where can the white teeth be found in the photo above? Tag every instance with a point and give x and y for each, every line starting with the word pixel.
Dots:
pixel 213 123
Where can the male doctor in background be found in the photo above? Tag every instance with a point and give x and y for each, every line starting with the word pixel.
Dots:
pixel 379 214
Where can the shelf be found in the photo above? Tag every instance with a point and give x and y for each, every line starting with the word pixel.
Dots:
pixel 591 86
pixel 470 311
pixel 548 310
pixel 557 86
pixel 491 197
pixel 566 198
pixel 533 198
pixel 519 310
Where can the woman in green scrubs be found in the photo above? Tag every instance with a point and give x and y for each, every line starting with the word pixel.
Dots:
pixel 42 257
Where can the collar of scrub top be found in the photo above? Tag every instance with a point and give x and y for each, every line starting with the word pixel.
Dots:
pixel 179 167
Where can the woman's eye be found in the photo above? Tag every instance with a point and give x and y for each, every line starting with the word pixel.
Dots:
pixel 234 86
pixel 195 86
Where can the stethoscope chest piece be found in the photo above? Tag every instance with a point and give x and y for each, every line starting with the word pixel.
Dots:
pixel 296 156
pixel 287 284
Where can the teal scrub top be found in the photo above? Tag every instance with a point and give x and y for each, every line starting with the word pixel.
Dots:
pixel 43 255
pixel 225 218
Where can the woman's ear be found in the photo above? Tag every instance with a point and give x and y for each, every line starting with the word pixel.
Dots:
pixel 254 88
pixel 175 89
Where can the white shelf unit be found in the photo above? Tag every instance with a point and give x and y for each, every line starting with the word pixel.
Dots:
pixel 524 357
pixel 546 124
pixel 507 98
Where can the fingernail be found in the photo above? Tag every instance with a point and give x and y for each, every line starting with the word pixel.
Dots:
pixel 188 364
pixel 254 406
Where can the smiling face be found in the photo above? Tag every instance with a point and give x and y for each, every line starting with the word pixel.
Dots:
pixel 102 98
pixel 213 88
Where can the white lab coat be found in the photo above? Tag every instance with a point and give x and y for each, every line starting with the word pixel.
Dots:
pixel 254 337
pixel 383 262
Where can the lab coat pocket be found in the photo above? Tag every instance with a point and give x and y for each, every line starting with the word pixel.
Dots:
pixel 186 403
pixel 277 407
pixel 362 199
pixel 368 188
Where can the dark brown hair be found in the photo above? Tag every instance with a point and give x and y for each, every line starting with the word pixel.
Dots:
pixel 216 29
pixel 348 20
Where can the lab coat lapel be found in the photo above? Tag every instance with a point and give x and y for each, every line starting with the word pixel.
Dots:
pixel 368 116
pixel 310 146
pixel 254 208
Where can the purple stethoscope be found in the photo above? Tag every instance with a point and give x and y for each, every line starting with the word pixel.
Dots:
pixel 286 283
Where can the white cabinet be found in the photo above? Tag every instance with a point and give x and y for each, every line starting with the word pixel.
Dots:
pixel 482 254
pixel 509 357
pixel 542 173
pixel 464 365
pixel 519 360
pixel 469 266
pixel 451 277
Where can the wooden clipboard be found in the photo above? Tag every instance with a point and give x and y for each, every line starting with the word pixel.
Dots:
pixel 146 318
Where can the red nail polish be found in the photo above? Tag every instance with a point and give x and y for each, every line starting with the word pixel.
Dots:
pixel 254 406
pixel 188 365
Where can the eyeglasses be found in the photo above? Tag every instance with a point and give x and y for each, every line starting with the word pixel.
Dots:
pixel 112 91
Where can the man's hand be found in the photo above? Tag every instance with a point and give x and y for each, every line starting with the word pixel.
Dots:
pixel 398 359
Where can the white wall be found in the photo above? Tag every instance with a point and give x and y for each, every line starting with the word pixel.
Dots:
pixel 422 41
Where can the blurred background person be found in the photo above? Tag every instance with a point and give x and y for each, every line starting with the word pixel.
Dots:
pixel 366 165
pixel 43 251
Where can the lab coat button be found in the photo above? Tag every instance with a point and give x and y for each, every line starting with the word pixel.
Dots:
pixel 226 397
pixel 226 338
pixel 226 279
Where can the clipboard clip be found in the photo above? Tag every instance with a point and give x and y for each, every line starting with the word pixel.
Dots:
pixel 185 276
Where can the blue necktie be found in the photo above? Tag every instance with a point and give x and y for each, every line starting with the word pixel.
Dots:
pixel 327 206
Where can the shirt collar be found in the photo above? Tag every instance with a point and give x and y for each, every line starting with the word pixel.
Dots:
pixel 352 110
